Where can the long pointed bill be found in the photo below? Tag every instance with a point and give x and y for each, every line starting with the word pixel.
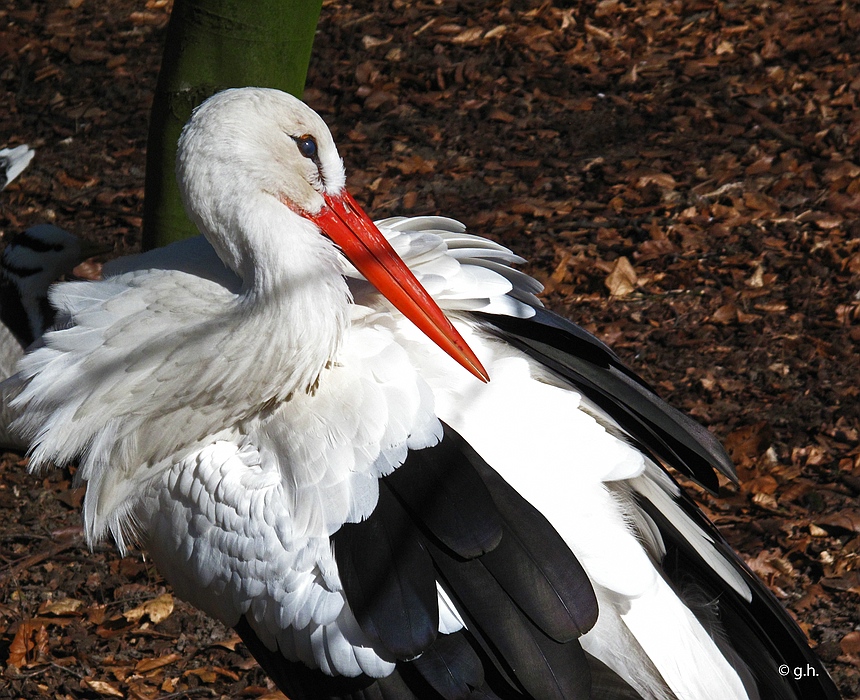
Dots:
pixel 345 222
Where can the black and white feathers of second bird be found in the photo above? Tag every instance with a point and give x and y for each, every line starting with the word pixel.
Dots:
pixel 12 163
pixel 29 264
pixel 306 465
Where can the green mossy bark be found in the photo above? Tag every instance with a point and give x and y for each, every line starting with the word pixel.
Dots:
pixel 212 45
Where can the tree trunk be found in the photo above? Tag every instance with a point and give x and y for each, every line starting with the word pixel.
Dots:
pixel 212 45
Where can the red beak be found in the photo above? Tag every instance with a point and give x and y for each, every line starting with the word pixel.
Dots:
pixel 346 223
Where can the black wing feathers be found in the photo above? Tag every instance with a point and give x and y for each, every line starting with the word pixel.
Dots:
pixel 12 311
pixel 760 630
pixel 541 667
pixel 389 579
pixel 451 666
pixel 530 561
pixel 449 670
pixel 297 681
pixel 761 634
pixel 655 426
pixel 446 515
pixel 447 497
pixel 535 565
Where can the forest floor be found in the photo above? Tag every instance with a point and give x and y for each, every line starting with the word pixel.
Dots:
pixel 682 175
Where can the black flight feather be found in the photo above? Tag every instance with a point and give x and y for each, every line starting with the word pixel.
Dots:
pixel 761 635
pixel 606 684
pixel 449 487
pixel 297 681
pixel 451 667
pixel 517 584
pixel 445 514
pixel 656 427
pixel 535 566
pixel 12 312
pixel 388 579
pixel 537 665
pixel 442 491
pixel 562 613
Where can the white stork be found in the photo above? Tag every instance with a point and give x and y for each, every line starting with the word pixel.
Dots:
pixel 375 519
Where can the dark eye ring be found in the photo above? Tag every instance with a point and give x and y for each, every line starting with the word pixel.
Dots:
pixel 307 146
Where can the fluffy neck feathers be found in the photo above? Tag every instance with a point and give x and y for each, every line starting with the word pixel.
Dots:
pixel 292 307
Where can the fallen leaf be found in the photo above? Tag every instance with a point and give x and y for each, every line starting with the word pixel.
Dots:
pixel 622 280
pixel 850 643
pixel 761 166
pixel 88 270
pixel 29 647
pixel 747 318
pixel 849 581
pixel 416 164
pixel 157 609
pixel 726 314
pixel 761 485
pixel 230 643
pixel 63 606
pixel 150 664
pixel 378 98
pixel 210 674
pixel 846 519
pixel 103 688
pixel 663 180
pixel 766 501
pixel 468 36
pixel 500 116
pixel 371 42
pixel 768 565
pixel 811 599
pixel 756 280
pixel 746 444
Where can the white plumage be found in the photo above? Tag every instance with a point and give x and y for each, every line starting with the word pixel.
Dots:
pixel 235 403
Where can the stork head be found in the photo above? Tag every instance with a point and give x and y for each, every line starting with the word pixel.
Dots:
pixel 262 149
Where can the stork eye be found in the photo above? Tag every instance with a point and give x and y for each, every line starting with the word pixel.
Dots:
pixel 307 146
